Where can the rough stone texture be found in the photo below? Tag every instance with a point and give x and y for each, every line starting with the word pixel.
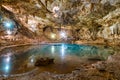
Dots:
pixel 91 18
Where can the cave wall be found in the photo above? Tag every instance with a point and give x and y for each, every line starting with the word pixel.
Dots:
pixel 87 19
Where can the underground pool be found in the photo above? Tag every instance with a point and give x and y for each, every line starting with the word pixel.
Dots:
pixel 67 57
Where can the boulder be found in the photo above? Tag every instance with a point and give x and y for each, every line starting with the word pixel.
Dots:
pixel 44 61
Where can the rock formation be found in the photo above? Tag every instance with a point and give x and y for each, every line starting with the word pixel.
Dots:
pixel 95 19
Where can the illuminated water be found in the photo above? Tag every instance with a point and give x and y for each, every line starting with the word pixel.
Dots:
pixel 67 57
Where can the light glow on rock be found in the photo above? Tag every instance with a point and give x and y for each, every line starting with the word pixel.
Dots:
pixel 9 32
pixel 63 34
pixel 8 24
pixel 55 9
pixel 53 36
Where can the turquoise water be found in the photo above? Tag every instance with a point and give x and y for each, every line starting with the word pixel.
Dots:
pixel 67 57
pixel 81 51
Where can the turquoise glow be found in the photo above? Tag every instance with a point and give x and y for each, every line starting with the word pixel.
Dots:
pixel 63 53
pixel 8 24
pixel 7 68
pixel 6 65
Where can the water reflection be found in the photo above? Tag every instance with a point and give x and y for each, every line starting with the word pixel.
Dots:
pixel 6 61
pixel 68 54
pixel 62 51
pixel 32 59
pixel 7 68
pixel 52 49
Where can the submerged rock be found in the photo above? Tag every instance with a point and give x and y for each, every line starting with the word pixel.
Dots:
pixel 44 61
